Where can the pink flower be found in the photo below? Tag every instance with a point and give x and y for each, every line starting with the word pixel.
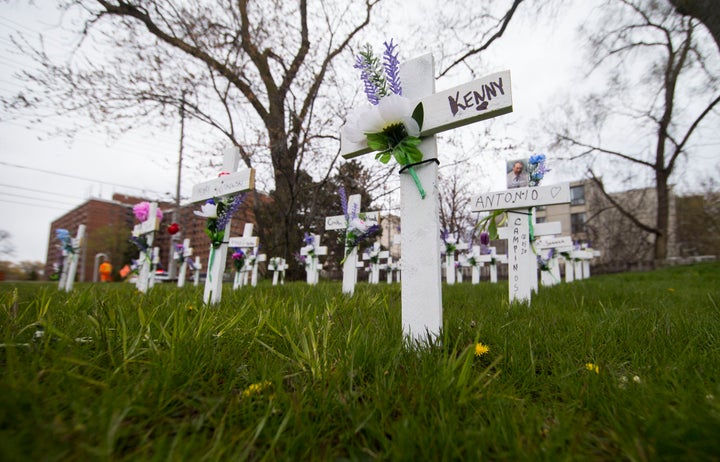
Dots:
pixel 142 211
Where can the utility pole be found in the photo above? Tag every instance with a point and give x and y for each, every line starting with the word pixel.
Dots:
pixel 172 266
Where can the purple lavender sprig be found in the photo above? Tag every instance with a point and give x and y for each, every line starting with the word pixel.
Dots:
pixel 227 214
pixel 371 74
pixel 343 202
pixel 391 63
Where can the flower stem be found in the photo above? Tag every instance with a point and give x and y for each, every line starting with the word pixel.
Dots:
pixel 417 182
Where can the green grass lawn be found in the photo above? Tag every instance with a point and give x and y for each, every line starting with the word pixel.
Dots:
pixel 617 367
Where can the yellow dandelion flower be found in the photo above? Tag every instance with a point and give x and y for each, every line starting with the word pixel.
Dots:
pixel 481 349
pixel 256 388
pixel 670 289
pixel 592 367
pixel 189 308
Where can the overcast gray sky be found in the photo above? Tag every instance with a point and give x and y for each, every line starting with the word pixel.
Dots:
pixel 41 178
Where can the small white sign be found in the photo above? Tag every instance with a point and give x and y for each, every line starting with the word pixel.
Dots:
pixel 243 241
pixel 338 221
pixel 224 185
pixel 520 198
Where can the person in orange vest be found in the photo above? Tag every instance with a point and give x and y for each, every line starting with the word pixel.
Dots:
pixel 105 271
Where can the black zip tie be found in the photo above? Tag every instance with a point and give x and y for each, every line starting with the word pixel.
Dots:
pixel 434 159
pixel 519 213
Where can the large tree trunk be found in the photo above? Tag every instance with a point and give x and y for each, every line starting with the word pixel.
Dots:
pixel 706 11
pixel 663 214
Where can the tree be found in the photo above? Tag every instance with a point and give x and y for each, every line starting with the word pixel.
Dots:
pixel 665 103
pixel 259 73
pixel 705 11
pixel 6 246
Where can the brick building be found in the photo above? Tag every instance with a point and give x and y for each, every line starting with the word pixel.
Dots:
pixel 109 225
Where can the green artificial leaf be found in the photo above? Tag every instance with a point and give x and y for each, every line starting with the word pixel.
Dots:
pixel 414 155
pixel 419 114
pixel 384 156
pixel 492 229
pixel 377 141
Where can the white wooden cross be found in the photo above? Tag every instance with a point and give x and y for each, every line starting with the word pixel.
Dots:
pixel 518 203
pixel 525 277
pixel 375 252
pixel 493 258
pixel 147 230
pixel 338 222
pixel 477 100
pixel 253 259
pixel 278 266
pixel 311 251
pixel 549 248
pixel 226 185
pixel 389 268
pixel 196 267
pixel 467 261
pixel 450 270
pixel 183 254
pixel 153 267
pixel 248 244
pixel 70 261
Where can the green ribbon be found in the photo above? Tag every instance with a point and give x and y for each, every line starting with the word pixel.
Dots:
pixel 210 263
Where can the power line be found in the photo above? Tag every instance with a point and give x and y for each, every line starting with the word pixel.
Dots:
pixel 38 199
pixel 34 205
pixel 92 180
pixel 40 191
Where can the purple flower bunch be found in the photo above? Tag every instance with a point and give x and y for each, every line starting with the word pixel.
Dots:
pixel 302 259
pixel 449 241
pixel 179 251
pixel 379 79
pixel 537 169
pixel 218 213
pixel 357 228
pixel 140 242
pixel 238 258
pixel 485 243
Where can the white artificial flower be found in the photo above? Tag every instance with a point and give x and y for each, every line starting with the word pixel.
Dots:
pixel 207 210
pixel 358 225
pixel 391 110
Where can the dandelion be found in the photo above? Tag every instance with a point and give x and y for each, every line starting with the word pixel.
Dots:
pixel 671 289
pixel 636 379
pixel 592 367
pixel 481 349
pixel 256 388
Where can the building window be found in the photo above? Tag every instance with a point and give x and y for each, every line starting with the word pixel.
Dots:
pixel 577 223
pixel 577 195
pixel 540 219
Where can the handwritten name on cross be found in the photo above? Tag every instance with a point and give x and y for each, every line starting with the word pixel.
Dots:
pixel 339 222
pixel 478 100
pixel 147 229
pixel 549 248
pixel 518 203
pixel 226 185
